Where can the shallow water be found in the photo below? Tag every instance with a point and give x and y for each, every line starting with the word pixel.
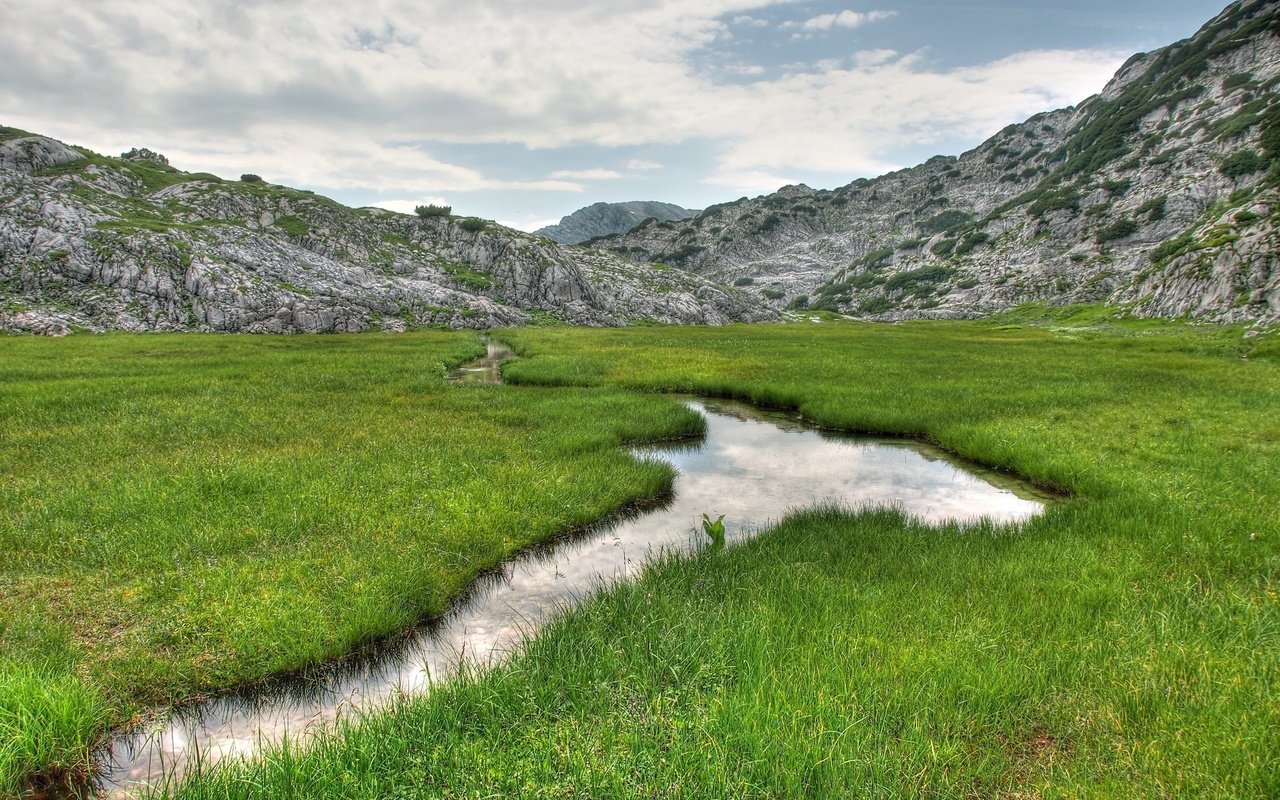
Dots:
pixel 752 467
pixel 485 370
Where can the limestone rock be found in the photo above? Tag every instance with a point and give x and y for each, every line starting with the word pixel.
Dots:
pixel 1081 205
pixel 95 244
pixel 32 153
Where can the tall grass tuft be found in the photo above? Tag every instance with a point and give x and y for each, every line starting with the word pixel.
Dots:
pixel 49 722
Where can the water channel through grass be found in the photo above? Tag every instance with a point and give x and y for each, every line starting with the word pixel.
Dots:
pixel 752 466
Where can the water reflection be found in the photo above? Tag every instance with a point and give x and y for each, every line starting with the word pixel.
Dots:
pixel 487 370
pixel 751 467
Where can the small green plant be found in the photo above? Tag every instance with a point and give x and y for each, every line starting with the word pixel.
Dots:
pixel 944 248
pixel 1154 209
pixel 875 305
pixel 945 221
pixel 1245 162
pixel 684 253
pixel 971 241
pixel 1271 133
pixel 714 530
pixel 1236 81
pixel 294 226
pixel 249 177
pixel 433 211
pixel 769 223
pixel 876 257
pixel 1120 229
pixel 1055 200
pixel 473 225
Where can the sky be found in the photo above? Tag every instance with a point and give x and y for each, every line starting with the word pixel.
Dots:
pixel 523 111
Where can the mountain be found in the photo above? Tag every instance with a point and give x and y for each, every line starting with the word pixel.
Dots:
pixel 97 243
pixel 1160 194
pixel 602 219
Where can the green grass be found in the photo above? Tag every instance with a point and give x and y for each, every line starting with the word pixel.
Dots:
pixel 181 514
pixel 295 289
pixel 151 176
pixel 1124 644
pixel 7 133
pixel 48 717
pixel 466 276
pixel 294 226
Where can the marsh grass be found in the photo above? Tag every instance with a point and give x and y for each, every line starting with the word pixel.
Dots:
pixel 46 719
pixel 183 514
pixel 1124 644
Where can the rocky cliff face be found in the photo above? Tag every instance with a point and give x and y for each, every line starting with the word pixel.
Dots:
pixel 603 219
pixel 1161 194
pixel 99 243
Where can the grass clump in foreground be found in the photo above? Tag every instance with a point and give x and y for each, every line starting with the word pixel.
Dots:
pixel 47 717
pixel 181 514
pixel 1124 644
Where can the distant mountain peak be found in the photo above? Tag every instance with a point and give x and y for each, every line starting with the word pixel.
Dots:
pixel 603 219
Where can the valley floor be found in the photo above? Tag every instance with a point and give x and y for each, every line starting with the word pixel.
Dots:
pixel 176 495
pixel 184 513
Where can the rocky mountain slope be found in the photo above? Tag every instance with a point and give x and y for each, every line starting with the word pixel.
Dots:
pixel 1161 194
pixel 602 219
pixel 97 243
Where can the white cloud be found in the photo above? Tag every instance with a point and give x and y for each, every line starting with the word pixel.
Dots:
pixel 528 225
pixel 407 206
pixel 848 19
pixel 371 95
pixel 750 21
pixel 748 180
pixel 842 19
pixel 842 119
pixel 874 58
pixel 596 174
pixel 642 165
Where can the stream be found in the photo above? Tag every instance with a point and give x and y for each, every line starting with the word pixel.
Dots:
pixel 752 466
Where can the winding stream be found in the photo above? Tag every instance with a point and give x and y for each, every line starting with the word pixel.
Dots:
pixel 752 466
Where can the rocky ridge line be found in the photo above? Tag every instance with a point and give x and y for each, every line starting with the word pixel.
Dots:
pixel 1161 195
pixel 95 243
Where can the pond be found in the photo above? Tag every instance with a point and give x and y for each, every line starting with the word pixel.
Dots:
pixel 752 466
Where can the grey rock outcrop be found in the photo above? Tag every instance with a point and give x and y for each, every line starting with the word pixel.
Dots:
pixel 1159 195
pixel 94 243
pixel 604 219
pixel 31 153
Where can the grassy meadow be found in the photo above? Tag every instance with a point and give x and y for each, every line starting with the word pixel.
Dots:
pixel 182 514
pixel 1125 644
